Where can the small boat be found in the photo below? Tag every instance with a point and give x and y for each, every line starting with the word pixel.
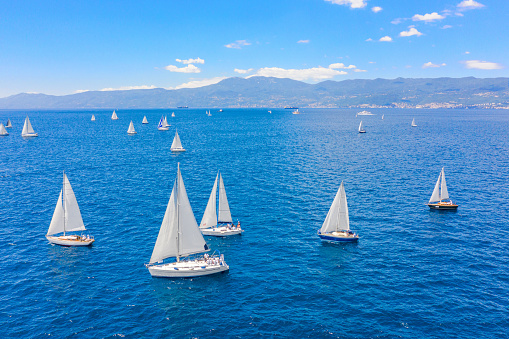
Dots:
pixel 176 145
pixel 67 218
pixel 270 112
pixel 182 107
pixel 413 123
pixel 364 113
pixel 382 116
pixel 145 121
pixel 208 113
pixel 361 128
pixel 3 131
pixel 28 131
pixel 218 224
pixel 114 116
pixel 180 238
pixel 296 111
pixel 440 197
pixel 131 130
pixel 162 126
pixel 221 110
pixel 336 227
pixel 8 125
pixel 93 118
pixel 173 114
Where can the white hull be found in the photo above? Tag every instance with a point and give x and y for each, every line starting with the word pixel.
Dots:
pixel 131 133
pixel 177 149
pixel 187 269
pixel 163 128
pixel 70 240
pixel 29 135
pixel 221 231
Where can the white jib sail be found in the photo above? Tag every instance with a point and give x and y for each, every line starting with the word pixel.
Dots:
pixel 176 142
pixel 444 194
pixel 27 127
pixel 3 131
pixel 337 218
pixel 435 196
pixel 224 208
pixel 210 215
pixel 131 130
pixel 57 221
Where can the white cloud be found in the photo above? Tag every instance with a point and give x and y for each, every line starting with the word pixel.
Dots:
pixel 410 32
pixel 188 69
pixel 428 17
pixel 386 38
pixel 351 3
pixel 469 4
pixel 369 39
pixel 191 61
pixel 315 73
pixel 372 62
pixel 127 88
pixel 359 70
pixel 432 65
pixel 476 64
pixel 237 44
pixel 303 42
pixel 243 71
pixel 376 9
pixel 446 26
pixel 81 91
pixel 199 83
pixel 397 21
pixel 467 52
pixel 341 65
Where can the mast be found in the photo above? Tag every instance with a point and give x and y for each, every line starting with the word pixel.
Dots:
pixel 63 199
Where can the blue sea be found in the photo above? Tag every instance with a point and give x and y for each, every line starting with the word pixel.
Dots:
pixel 414 273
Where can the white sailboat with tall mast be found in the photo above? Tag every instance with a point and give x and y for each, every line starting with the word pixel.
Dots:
pixel 9 124
pixel 93 118
pixel 3 131
pixel 114 116
pixel 361 128
pixel 180 238
pixel 131 129
pixel 214 223
pixel 145 121
pixel 440 197
pixel 165 122
pixel 162 126
pixel 67 218
pixel 413 123
pixel 176 146
pixel 173 114
pixel 336 227
pixel 28 131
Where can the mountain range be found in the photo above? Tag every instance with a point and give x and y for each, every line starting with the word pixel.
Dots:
pixel 277 92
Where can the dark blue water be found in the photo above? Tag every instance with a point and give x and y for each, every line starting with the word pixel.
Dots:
pixel 415 273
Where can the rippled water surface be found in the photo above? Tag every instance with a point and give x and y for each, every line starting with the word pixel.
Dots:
pixel 414 273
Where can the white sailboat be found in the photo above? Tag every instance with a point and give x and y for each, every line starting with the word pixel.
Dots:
pixel 114 116
pixel 162 126
pixel 3 131
pixel 296 111
pixel 93 118
pixel 336 226
pixel 440 197
pixel 413 123
pixel 9 125
pixel 361 128
pixel 173 114
pixel 67 218
pixel 165 122
pixel 180 238
pixel 222 225
pixel 176 146
pixel 131 130
pixel 28 131
pixel 145 121
pixel 382 116
pixel 208 113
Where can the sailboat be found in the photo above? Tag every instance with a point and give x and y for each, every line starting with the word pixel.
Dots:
pixel 162 126
pixel 3 131
pixel 382 116
pixel 9 125
pixel 413 123
pixel 165 122
pixel 131 130
pixel 173 114
pixel 361 128
pixel 176 146
pixel 114 116
pixel 296 111
pixel 145 121
pixel 208 113
pixel 222 225
pixel 67 218
pixel 93 118
pixel 180 238
pixel 336 226
pixel 28 131
pixel 440 197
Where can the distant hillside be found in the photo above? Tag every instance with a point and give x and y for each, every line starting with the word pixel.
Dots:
pixel 275 92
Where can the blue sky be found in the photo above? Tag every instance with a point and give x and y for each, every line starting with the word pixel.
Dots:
pixel 64 47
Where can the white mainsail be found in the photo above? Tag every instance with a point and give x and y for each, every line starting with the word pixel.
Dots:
pixel 413 123
pixel 210 215
pixel 337 218
pixel 361 127
pixel 145 121
pixel 67 215
pixel 93 118
pixel 176 144
pixel 9 125
pixel 440 191
pixel 224 208
pixel 3 131
pixel 131 130
pixel 173 114
pixel 114 116
pixel 444 194
pixel 27 129
pixel 165 122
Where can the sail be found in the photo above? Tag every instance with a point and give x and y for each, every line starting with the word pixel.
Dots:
pixel 191 239
pixel 165 122
pixel 27 128
pixel 360 126
pixel 435 196
pixel 444 194
pixel 73 220
pixel 114 116
pixel 161 123
pixel 145 121
pixel 210 216
pixel 131 130
pixel 166 243
pixel 337 218
pixel 9 125
pixel 176 142
pixel 413 122
pixel 3 131
pixel 57 222
pixel 93 117
pixel 224 208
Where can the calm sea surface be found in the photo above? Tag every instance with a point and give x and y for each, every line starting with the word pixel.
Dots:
pixel 414 273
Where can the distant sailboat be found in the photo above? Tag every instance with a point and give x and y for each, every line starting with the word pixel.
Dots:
pixel 180 238
pixel 162 126
pixel 176 146
pixel 145 121
pixel 131 130
pixel 9 125
pixel 114 116
pixel 221 110
pixel 67 218
pixel 28 131
pixel 413 123
pixel 336 226
pixel 440 197
pixel 208 113
pixel 221 226
pixel 296 111
pixel 3 131
pixel 270 112
pixel 165 122
pixel 361 128
pixel 382 116
pixel 173 114
pixel 93 118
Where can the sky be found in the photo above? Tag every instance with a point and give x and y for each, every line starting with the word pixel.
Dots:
pixel 66 47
